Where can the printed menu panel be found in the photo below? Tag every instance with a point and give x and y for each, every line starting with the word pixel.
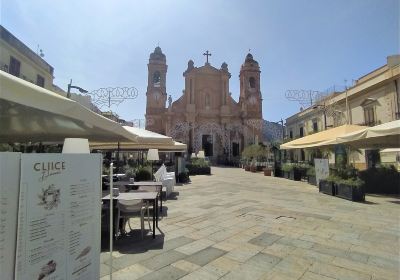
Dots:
pixel 59 217
pixel 321 169
pixel 9 191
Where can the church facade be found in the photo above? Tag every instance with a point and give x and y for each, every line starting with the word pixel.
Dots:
pixel 205 116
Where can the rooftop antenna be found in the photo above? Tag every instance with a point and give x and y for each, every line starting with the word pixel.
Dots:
pixel 39 51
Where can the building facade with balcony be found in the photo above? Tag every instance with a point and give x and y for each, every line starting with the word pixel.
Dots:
pixel 373 99
pixel 19 60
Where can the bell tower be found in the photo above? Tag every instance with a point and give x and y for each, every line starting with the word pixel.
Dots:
pixel 250 94
pixel 156 95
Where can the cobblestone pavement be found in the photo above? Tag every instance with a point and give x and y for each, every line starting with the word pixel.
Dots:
pixel 240 225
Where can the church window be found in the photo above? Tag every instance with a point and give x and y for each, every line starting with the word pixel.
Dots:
pixel 252 82
pixel 156 79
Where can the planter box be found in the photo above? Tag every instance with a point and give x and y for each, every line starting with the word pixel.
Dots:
pixel 312 180
pixel 326 187
pixel 253 168
pixel 350 192
pixel 286 174
pixel 295 175
pixel 278 172
pixel 267 172
pixel 247 168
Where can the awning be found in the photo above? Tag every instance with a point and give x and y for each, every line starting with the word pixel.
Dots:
pixel 127 146
pixel 29 113
pixel 148 137
pixel 323 138
pixel 385 135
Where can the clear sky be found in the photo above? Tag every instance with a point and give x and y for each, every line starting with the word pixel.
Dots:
pixel 299 44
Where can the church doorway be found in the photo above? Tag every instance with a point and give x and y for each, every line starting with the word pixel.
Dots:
pixel 235 149
pixel 207 144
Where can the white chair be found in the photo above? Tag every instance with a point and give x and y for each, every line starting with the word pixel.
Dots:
pixel 128 209
pixel 167 178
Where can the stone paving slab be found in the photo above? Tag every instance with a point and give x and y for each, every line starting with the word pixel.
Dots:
pixel 205 256
pixel 241 225
pixel 166 273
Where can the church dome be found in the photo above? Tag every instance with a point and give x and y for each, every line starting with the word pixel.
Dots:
pixel 157 54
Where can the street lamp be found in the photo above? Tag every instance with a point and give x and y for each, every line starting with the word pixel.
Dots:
pixel 81 90
pixel 324 109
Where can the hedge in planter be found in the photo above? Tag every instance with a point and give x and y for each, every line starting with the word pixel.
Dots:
pixel 381 180
pixel 198 166
pixel 287 168
pixel 291 171
pixel 351 189
pixel 311 179
pixel 183 177
pixel 327 186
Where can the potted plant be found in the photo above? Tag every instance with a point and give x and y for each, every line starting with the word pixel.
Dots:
pixel 253 167
pixel 351 189
pixel 287 168
pixel 267 171
pixel 311 179
pixel 296 173
pixel 327 186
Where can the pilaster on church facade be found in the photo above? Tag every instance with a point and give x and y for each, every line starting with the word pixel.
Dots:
pixel 205 116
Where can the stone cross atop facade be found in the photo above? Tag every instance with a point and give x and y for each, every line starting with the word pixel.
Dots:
pixel 207 54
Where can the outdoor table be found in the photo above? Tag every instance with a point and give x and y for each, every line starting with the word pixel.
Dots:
pixel 153 196
pixel 148 186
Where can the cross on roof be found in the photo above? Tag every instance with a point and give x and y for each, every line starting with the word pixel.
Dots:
pixel 207 54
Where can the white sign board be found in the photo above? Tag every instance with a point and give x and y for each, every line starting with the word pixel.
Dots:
pixel 59 217
pixel 9 191
pixel 321 169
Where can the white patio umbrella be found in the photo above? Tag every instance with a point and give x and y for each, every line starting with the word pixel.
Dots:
pixel 386 135
pixel 29 113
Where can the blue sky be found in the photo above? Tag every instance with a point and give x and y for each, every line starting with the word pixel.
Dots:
pixel 299 44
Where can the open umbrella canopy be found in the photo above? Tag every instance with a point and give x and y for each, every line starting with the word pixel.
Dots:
pixel 323 138
pixel 29 113
pixel 148 137
pixel 130 146
pixel 385 135
pixel 145 140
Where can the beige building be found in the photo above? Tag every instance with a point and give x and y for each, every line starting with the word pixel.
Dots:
pixel 19 60
pixel 206 117
pixel 373 99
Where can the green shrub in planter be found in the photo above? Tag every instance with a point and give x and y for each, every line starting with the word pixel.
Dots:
pixel 198 166
pixel 143 174
pixel 327 186
pixel 183 177
pixel 311 179
pixel 351 189
pixel 287 168
pixel 385 180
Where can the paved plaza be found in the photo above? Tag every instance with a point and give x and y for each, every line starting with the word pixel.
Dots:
pixel 240 225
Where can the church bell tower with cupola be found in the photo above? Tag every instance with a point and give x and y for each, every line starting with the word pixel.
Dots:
pixel 156 94
pixel 250 95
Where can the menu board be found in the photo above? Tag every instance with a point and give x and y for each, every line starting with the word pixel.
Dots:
pixel 9 191
pixel 59 217
pixel 321 169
